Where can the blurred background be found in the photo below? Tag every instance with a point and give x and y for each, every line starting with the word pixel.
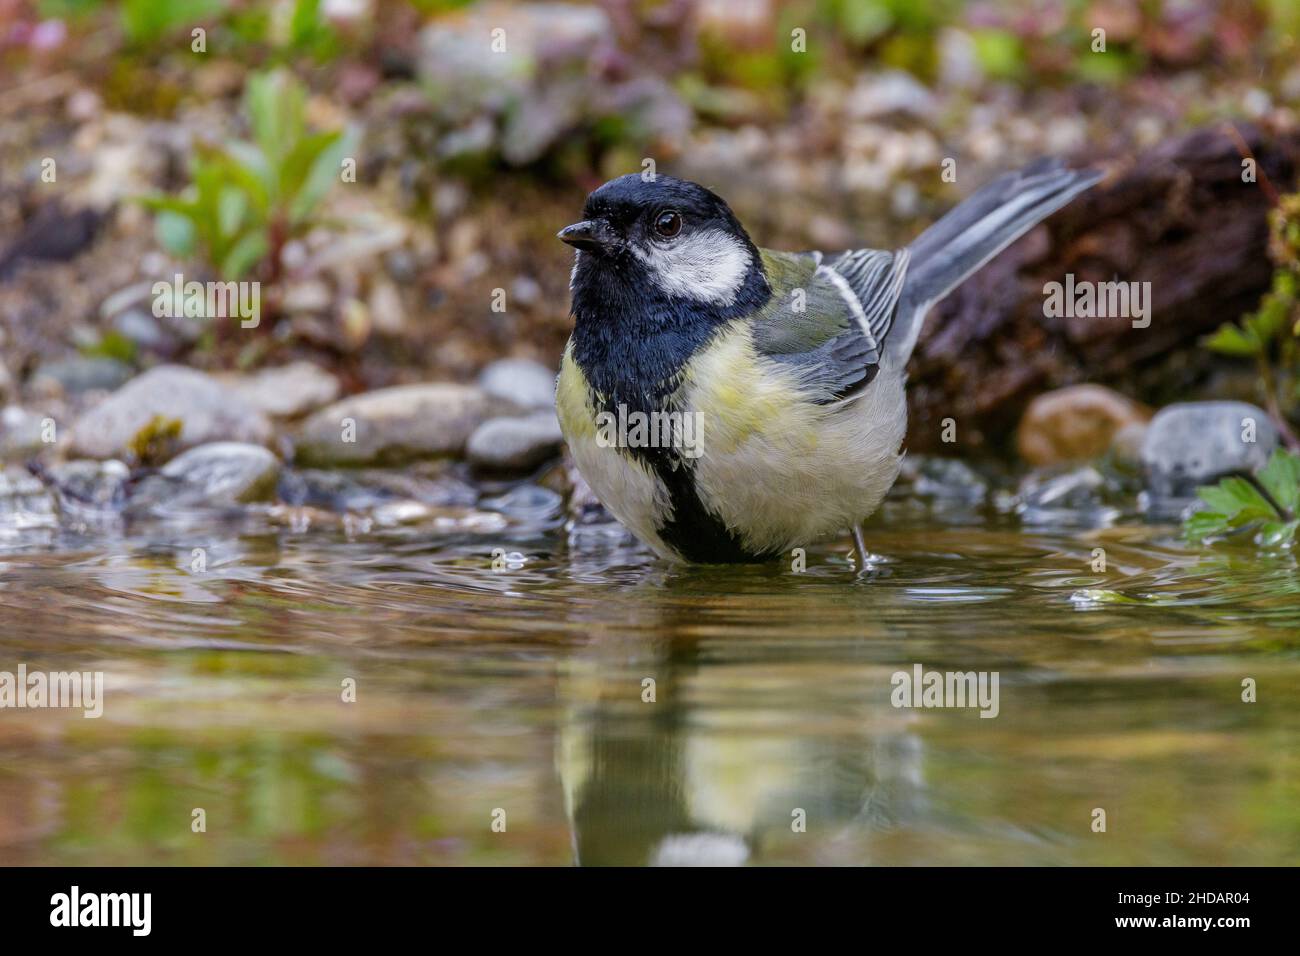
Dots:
pixel 823 122
pixel 178 510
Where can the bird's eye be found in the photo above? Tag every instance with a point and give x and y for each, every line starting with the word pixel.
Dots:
pixel 668 223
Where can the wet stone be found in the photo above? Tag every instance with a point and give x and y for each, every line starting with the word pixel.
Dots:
pixel 207 411
pixel 1194 443
pixel 219 474
pixel 515 444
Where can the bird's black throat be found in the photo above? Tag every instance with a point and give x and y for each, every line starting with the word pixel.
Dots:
pixel 632 342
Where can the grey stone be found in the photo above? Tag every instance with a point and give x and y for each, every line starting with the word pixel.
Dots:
pixel 524 382
pixel 146 332
pixel 72 376
pixel 515 444
pixel 942 479
pixel 1077 498
pixel 21 433
pixel 85 488
pixel 524 103
pixel 891 93
pixel 361 490
pixel 1194 443
pixel 528 504
pixel 25 503
pixel 393 425
pixel 208 412
pixel 286 391
pixel 216 474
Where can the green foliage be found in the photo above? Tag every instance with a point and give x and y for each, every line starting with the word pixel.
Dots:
pixel 113 345
pixel 1268 502
pixel 1271 334
pixel 157 441
pixel 146 20
pixel 1000 53
pixel 305 32
pixel 248 198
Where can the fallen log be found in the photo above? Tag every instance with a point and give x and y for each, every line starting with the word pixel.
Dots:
pixel 1179 217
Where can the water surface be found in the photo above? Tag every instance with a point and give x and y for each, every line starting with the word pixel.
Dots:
pixel 517 695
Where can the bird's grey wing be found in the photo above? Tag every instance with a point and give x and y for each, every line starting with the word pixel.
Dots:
pixel 827 318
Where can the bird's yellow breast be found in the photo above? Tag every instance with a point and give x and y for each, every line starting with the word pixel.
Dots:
pixel 624 484
pixel 775 467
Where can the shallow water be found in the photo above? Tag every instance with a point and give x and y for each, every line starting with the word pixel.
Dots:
pixel 521 690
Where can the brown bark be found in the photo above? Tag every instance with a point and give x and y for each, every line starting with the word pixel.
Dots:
pixel 1178 216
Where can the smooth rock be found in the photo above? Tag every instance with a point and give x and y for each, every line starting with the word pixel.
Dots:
pixel 1075 498
pixel 25 503
pixel 387 311
pixel 145 332
pixel 890 93
pixel 393 425
pixel 524 104
pixel 207 410
pixel 524 382
pixel 21 433
pixel 73 376
pixel 528 504
pixel 1126 446
pixel 90 487
pixel 1194 443
pixel 216 474
pixel 515 444
pixel 1077 423
pixel 943 479
pixel 362 490
pixel 286 391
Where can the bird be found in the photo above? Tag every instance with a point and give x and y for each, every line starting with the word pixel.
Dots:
pixel 729 403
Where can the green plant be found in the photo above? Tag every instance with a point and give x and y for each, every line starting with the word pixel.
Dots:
pixel 1271 334
pixel 1269 502
pixel 157 441
pixel 247 199
pixel 145 21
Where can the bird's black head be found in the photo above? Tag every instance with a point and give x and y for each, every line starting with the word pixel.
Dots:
pixel 671 246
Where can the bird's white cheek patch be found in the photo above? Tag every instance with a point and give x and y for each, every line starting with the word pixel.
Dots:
pixel 706 266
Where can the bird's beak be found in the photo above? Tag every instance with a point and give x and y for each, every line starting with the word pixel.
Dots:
pixel 590 235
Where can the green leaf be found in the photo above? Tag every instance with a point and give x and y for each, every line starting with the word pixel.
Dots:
pixel 305 22
pixel 248 166
pixel 1234 503
pixel 1236 498
pixel 145 20
pixel 999 53
pixel 245 254
pixel 234 203
pixel 1277 534
pixel 277 110
pixel 175 232
pixel 1265 323
pixel 327 151
pixel 1231 340
pixel 1281 476
pixel 1201 524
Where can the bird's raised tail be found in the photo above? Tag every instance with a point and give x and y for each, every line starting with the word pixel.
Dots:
pixel 972 234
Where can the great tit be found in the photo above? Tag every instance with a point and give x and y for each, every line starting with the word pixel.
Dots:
pixel 729 403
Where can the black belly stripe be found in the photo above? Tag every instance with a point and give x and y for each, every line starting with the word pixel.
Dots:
pixel 693 530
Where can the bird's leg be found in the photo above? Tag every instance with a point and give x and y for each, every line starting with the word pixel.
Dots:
pixel 861 546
